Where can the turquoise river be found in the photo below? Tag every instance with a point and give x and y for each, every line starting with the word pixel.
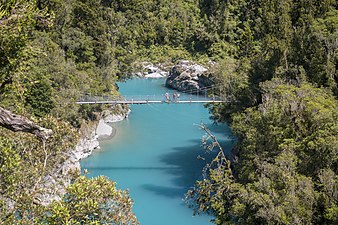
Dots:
pixel 155 154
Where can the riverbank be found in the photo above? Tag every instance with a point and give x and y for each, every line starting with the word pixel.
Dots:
pixel 60 178
pixel 105 131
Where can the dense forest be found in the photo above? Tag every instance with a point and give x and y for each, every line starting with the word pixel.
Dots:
pixel 277 64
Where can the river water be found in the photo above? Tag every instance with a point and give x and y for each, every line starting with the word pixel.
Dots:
pixel 155 154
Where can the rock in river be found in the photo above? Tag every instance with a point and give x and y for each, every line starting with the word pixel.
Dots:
pixel 188 76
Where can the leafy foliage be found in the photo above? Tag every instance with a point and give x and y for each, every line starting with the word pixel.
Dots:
pixel 46 63
pixel 26 163
pixel 282 107
pixel 285 146
pixel 92 201
pixel 276 65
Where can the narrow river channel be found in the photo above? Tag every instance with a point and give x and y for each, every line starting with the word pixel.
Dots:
pixel 155 155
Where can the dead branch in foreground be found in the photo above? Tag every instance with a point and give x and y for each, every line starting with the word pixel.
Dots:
pixel 18 123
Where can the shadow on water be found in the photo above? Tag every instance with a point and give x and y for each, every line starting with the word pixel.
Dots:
pixel 189 162
pixel 169 192
pixel 130 168
pixel 184 164
pixel 220 129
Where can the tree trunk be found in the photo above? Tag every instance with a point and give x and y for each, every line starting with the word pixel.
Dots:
pixel 17 123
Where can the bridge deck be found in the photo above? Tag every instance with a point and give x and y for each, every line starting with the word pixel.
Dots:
pixel 147 102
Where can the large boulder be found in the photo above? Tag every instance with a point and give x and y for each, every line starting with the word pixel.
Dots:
pixel 187 76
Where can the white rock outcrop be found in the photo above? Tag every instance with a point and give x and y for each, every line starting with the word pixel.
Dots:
pixel 188 77
pixel 153 75
pixel 151 71
pixel 55 183
pixel 103 129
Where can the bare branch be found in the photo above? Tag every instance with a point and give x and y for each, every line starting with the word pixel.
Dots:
pixel 221 160
pixel 17 123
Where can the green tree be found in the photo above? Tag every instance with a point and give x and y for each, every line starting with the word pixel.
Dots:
pixel 92 201
pixel 40 98
pixel 232 84
pixel 287 167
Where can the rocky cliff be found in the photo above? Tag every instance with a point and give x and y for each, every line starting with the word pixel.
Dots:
pixel 55 183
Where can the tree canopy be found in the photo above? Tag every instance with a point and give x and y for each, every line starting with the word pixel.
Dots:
pixel 280 77
pixel 276 63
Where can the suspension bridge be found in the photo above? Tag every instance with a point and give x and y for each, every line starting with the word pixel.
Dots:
pixel 202 95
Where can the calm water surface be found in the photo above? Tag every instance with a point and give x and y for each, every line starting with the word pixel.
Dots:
pixel 154 155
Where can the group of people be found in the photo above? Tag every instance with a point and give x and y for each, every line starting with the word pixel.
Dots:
pixel 176 97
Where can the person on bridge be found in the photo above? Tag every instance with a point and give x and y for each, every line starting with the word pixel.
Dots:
pixel 174 97
pixel 167 97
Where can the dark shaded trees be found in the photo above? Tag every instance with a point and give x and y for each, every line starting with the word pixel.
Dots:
pixel 286 145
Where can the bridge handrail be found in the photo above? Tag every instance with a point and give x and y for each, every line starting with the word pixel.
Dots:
pixel 209 93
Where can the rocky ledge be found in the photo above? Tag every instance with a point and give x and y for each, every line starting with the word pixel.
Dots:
pixel 90 142
pixel 55 183
pixel 189 77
